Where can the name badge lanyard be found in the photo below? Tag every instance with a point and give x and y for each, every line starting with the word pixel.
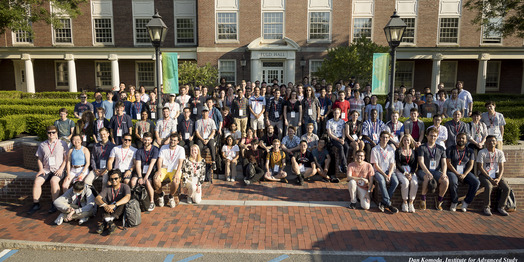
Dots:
pixel 119 122
pixel 114 194
pixel 408 157
pixel 354 128
pixel 491 120
pixel 432 153
pixel 457 129
pixel 375 128
pixel 322 102
pixel 100 124
pixel 49 146
pixel 124 155
pixel 187 124
pixel 104 148
pixel 204 126
pixel 165 125
pixel 195 166
pixel 148 153
pixel 461 158
pixel 172 154
pixel 385 156
pixel 143 127
pixel 491 160
pixel 138 107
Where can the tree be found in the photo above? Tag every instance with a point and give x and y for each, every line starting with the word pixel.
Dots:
pixel 20 14
pixel 342 62
pixel 499 17
pixel 192 74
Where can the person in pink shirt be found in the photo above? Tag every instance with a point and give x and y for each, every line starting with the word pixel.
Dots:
pixel 360 181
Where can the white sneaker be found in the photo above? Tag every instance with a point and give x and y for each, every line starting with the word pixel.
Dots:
pixel 83 220
pixel 464 206
pixel 247 182
pixel 161 200
pixel 405 207
pixel 171 202
pixel 411 208
pixel 453 207
pixel 189 200
pixel 60 219
pixel 152 206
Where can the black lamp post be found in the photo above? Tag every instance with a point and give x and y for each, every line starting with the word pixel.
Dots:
pixel 157 33
pixel 394 31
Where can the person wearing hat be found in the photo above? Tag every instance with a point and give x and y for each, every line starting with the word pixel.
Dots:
pixel 174 107
pixel 196 103
pixel 205 130
pixel 432 165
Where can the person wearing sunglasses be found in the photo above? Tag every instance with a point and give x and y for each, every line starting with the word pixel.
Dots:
pixel 122 157
pixel 112 201
pixel 52 156
pixel 83 106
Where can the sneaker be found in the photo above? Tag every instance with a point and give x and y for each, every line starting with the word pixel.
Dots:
pixel 464 206
pixel 411 208
pixel 161 200
pixel 487 211
pixel 151 207
pixel 111 227
pixel 352 206
pixel 503 212
pixel 101 227
pixel 214 166
pixel 453 207
pixel 60 219
pixel 335 180
pixel 171 202
pixel 439 205
pixel 247 182
pixel 405 207
pixel 392 209
pixel 34 208
pixel 82 220
pixel 422 204
pixel 381 207
pixel 300 180
pixel 189 200
pixel 52 209
pixel 228 179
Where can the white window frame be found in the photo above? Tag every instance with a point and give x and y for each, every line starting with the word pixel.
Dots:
pixel 95 43
pixel 452 84
pixel 458 30
pixel 330 25
pixel 65 74
pixel 412 73
pixel 217 39
pixel 353 27
pixel 97 71
pixel 498 75
pixel 137 72
pixel 482 38
pixel 53 29
pixel 28 36
pixel 194 30
pixel 283 25
pixel 135 33
pixel 310 69
pixel 234 70
pixel 414 32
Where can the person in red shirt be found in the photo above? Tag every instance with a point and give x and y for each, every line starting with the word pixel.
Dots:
pixel 343 104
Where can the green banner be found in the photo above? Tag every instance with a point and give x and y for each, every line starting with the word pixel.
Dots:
pixel 380 83
pixel 170 72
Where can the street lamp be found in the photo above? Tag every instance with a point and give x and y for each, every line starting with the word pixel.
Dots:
pixel 157 33
pixel 394 31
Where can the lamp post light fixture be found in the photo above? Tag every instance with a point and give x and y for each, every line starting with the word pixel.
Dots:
pixel 394 31
pixel 157 30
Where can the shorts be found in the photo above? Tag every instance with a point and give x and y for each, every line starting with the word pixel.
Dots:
pixel 257 124
pixel 164 174
pixel 47 176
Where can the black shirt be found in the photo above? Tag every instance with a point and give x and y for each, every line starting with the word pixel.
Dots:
pixel 305 159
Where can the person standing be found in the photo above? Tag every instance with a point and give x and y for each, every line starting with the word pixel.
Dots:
pixel 311 110
pixel 455 127
pixel 120 124
pixel 82 106
pixel 257 108
pixel 495 123
pixel 109 106
pixel 164 128
pixel 239 111
pixel 453 104
pixel 275 111
pixel 205 131
pixel 465 96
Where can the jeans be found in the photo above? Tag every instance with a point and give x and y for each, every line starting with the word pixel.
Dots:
pixel 488 187
pixel 470 179
pixel 342 151
pixel 387 193
pixel 308 120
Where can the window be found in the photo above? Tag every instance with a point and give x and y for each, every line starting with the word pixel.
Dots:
pixel 103 31
pixel 227 69
pixel 314 65
pixel 493 76
pixel 141 34
pixel 185 31
pixel 409 33
pixel 227 26
pixel 62 78
pixel 319 25
pixel 23 37
pixel 448 73
pixel 63 33
pixel 362 28
pixel 103 74
pixel 489 32
pixel 404 73
pixel 273 25
pixel 448 33
pixel 145 74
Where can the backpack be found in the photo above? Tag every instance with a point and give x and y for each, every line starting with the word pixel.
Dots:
pixel 132 215
pixel 511 205
pixel 140 194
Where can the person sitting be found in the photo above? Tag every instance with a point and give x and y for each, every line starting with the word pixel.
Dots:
pixel 122 157
pixel 397 129
pixel 371 130
pixel 230 153
pixel 303 163
pixel 353 131
pixel 322 161
pixel 78 159
pixel 99 158
pixel 335 131
pixel 169 167
pixel 112 202
pixel 290 142
pixel 442 130
pixel 193 175
pixel 360 181
pixel 252 163
pixel 276 159
pixel 414 127
pixel 310 137
pixel 383 161
pixel 145 161
pixel 406 169
pixel 78 202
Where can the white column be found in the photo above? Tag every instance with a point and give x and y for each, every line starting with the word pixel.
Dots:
pixel 115 71
pixel 482 73
pixel 71 72
pixel 435 73
pixel 522 85
pixel 289 71
pixel 256 70
pixel 29 74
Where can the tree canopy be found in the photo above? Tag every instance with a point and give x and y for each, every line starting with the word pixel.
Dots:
pixel 21 14
pixel 342 62
pixel 192 74
pixel 502 17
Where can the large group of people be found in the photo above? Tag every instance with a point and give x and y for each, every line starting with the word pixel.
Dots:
pixel 264 127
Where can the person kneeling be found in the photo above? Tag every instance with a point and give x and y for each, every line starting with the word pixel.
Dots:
pixel 112 201
pixel 360 181
pixel 78 202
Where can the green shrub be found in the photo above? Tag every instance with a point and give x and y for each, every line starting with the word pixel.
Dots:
pixel 40 102
pixel 7 110
pixel 12 126
pixel 56 95
pixel 10 94
pixel 41 127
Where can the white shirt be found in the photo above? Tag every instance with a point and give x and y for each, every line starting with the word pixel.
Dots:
pixel 123 157
pixel 257 104
pixel 442 136
pixel 383 157
pixel 174 109
pixel 465 96
pixel 336 127
pixel 171 158
pixel 183 100
pixel 230 153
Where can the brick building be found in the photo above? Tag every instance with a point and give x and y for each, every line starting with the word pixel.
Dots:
pixel 257 40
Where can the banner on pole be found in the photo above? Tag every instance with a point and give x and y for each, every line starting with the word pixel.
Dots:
pixel 170 72
pixel 380 82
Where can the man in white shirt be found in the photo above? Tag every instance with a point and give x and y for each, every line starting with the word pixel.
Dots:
pixel 465 96
pixel 257 107
pixel 205 130
pixel 169 167
pixel 165 127
pixel 174 107
pixel 335 131
pixel 453 104
pixel 183 98
pixel 122 157
pixel 383 161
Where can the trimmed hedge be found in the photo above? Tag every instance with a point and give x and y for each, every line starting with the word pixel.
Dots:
pixel 12 126
pixel 43 95
pixel 7 110
pixel 41 102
